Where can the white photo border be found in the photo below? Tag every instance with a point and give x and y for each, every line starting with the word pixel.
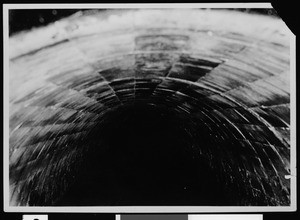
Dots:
pixel 142 209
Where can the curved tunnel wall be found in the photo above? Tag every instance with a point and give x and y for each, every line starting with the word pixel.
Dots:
pixel 223 77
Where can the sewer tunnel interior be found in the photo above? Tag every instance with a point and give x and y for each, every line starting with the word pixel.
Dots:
pixel 142 107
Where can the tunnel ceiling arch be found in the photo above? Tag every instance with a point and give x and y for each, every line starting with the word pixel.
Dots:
pixel 229 71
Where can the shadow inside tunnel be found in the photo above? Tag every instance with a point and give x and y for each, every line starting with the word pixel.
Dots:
pixel 146 157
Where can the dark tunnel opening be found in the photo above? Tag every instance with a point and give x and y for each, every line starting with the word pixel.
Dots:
pixel 150 159
pixel 144 108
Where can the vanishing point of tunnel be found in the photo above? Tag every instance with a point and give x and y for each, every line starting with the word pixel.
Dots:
pixel 151 107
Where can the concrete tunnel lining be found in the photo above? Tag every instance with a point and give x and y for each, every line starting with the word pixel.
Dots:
pixel 223 75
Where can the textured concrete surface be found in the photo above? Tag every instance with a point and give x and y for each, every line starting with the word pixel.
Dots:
pixel 225 73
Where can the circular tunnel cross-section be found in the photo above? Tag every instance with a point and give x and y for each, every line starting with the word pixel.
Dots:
pixel 151 107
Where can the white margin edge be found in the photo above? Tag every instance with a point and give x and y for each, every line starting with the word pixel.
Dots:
pixel 143 5
pixel 141 209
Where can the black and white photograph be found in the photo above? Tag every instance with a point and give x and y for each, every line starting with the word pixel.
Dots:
pixel 148 108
